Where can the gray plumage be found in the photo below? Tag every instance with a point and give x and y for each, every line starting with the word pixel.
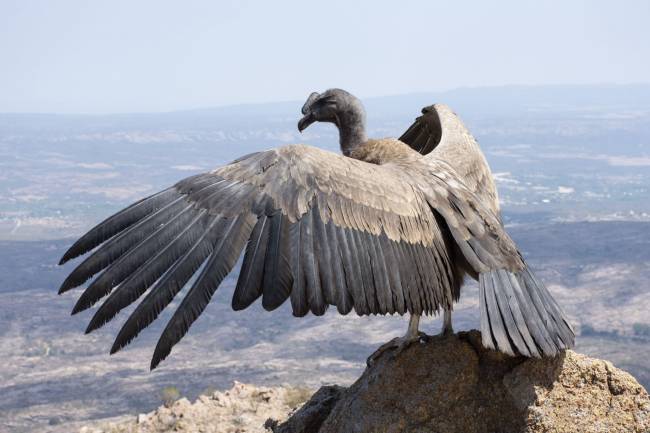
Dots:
pixel 518 314
pixel 384 228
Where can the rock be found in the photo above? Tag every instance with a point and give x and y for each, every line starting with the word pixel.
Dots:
pixel 243 408
pixel 452 384
pixel 448 385
pixel 312 414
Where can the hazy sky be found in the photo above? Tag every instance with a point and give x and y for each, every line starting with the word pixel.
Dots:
pixel 135 55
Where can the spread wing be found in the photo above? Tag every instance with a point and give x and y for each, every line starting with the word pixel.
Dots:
pixel 440 134
pixel 425 133
pixel 518 314
pixel 317 228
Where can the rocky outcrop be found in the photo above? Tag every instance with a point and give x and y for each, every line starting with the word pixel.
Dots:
pixel 452 384
pixel 243 408
pixel 447 385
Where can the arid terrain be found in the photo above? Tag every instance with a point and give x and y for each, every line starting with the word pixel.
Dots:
pixel 573 169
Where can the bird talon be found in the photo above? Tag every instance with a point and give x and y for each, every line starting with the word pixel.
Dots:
pixel 397 345
pixel 447 331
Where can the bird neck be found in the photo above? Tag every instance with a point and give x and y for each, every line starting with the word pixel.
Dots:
pixel 352 130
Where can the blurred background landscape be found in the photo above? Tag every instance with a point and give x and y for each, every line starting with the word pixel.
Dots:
pixel 557 94
pixel 573 169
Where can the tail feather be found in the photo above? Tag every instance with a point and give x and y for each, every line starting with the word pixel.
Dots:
pixel 519 315
pixel 565 334
pixel 510 311
pixel 532 327
pixel 497 329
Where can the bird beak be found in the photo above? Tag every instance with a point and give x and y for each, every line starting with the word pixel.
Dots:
pixel 307 120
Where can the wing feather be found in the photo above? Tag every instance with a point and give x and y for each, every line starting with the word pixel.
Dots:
pixel 221 261
pixel 309 264
pixel 120 244
pixel 298 294
pixel 319 229
pixel 168 286
pixel 278 277
pixel 352 268
pixel 394 272
pixel 323 253
pixel 147 274
pixel 362 252
pixel 251 276
pixel 133 259
pixel 341 284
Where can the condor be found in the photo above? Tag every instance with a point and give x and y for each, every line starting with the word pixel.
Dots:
pixel 390 226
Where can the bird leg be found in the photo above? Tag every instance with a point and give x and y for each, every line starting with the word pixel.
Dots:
pixel 398 344
pixel 447 329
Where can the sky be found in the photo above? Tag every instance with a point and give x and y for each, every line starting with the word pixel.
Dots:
pixel 79 56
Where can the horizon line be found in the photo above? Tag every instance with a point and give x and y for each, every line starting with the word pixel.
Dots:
pixel 288 101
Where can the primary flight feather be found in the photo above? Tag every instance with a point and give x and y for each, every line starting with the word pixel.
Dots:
pixel 390 226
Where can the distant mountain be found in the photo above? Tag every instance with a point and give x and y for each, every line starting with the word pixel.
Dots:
pixel 470 101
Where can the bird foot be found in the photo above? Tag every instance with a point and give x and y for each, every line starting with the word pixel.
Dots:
pixel 447 331
pixel 396 345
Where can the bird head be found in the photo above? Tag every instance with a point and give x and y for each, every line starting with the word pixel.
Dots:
pixel 333 106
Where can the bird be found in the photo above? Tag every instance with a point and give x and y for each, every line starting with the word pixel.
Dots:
pixel 387 226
